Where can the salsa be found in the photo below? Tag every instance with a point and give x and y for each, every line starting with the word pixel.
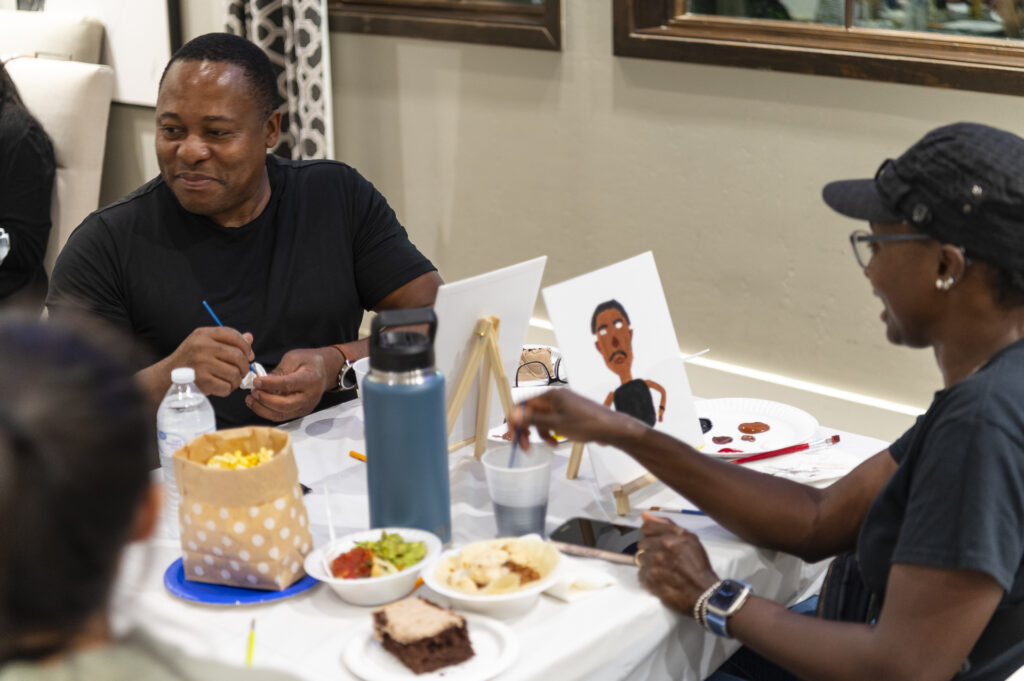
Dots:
pixel 387 556
pixel 354 564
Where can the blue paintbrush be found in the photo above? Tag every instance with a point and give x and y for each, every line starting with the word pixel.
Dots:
pixel 214 315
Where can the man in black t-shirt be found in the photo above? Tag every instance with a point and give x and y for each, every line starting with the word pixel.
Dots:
pixel 290 253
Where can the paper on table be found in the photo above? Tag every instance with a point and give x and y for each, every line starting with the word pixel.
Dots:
pixel 577 580
pixel 809 468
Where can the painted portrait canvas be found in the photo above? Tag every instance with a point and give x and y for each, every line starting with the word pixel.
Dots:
pixel 619 344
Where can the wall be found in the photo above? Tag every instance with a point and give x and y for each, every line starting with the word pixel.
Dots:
pixel 493 155
pixel 129 159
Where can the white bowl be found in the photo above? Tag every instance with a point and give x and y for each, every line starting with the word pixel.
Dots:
pixel 371 590
pixel 497 605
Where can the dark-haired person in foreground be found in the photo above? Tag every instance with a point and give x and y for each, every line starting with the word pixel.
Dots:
pixel 287 253
pixel 27 168
pixel 76 440
pixel 937 519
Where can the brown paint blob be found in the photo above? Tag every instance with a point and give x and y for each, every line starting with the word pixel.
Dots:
pixel 721 439
pixel 754 427
pixel 748 438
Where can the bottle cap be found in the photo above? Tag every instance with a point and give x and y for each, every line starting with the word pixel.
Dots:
pixel 183 375
pixel 401 351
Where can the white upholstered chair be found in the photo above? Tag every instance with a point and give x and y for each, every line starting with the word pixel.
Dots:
pixel 71 100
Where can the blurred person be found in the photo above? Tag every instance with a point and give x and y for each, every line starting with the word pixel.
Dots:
pixel 288 253
pixel 27 168
pixel 76 441
pixel 937 518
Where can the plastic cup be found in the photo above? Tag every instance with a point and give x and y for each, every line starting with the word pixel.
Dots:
pixel 520 493
pixel 362 367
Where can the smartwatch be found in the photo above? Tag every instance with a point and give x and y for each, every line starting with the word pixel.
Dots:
pixel 347 373
pixel 724 602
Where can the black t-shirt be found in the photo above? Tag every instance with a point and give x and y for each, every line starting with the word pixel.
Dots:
pixel 956 500
pixel 326 247
pixel 26 186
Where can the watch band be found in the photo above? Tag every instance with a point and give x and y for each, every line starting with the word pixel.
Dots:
pixel 729 597
pixel 346 374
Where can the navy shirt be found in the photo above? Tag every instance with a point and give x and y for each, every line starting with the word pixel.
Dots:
pixel 956 500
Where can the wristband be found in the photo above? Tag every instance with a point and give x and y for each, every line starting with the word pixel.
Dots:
pixel 346 374
pixel 724 601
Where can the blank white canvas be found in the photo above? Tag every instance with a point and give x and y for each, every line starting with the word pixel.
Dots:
pixel 509 294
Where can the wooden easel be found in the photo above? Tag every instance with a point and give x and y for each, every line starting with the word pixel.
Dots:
pixel 484 358
pixel 620 492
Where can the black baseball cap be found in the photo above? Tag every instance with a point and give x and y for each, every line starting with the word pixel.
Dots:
pixel 961 184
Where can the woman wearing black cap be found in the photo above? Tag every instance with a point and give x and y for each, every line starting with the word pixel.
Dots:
pixel 937 519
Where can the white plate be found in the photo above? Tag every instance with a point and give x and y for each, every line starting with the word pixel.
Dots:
pixel 495 648
pixel 974 27
pixel 788 425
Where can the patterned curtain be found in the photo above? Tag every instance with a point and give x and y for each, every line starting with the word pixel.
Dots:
pixel 294 35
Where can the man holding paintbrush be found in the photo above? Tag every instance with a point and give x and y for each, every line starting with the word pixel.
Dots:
pixel 289 254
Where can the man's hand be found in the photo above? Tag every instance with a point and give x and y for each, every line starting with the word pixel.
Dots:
pixel 219 355
pixel 294 387
pixel 673 564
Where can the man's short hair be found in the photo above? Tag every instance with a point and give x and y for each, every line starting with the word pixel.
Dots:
pixel 607 305
pixel 233 49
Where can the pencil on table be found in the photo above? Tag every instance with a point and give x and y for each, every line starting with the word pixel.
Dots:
pixel 252 640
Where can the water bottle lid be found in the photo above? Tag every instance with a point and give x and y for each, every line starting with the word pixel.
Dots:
pixel 183 375
pixel 401 351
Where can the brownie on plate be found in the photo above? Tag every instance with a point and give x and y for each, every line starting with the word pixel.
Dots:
pixel 422 635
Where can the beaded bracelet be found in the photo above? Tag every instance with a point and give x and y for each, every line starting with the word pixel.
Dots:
pixel 700 607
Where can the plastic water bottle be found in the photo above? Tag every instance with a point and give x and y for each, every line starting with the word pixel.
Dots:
pixel 184 414
pixel 406 427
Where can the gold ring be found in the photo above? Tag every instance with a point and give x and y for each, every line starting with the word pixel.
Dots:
pixel 636 557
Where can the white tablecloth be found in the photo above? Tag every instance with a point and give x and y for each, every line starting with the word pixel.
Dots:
pixel 620 632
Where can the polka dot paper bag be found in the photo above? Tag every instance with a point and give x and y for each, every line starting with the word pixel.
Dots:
pixel 244 526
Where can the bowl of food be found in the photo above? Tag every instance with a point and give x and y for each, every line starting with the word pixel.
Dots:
pixel 499 577
pixel 373 567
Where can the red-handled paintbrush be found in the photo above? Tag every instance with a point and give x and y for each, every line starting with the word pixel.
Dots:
pixel 817 444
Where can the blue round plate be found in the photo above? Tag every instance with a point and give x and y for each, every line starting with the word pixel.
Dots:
pixel 219 594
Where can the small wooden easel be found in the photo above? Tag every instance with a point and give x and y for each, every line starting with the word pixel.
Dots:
pixel 620 492
pixel 485 357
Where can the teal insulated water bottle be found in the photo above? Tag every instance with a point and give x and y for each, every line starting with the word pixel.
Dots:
pixel 405 422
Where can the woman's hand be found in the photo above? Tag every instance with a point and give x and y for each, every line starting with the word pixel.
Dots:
pixel 673 564
pixel 562 411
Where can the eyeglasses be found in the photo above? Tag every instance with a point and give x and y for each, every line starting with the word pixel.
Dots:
pixel 551 380
pixel 862 241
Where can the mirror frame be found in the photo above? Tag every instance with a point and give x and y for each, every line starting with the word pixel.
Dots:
pixel 661 29
pixel 488 22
